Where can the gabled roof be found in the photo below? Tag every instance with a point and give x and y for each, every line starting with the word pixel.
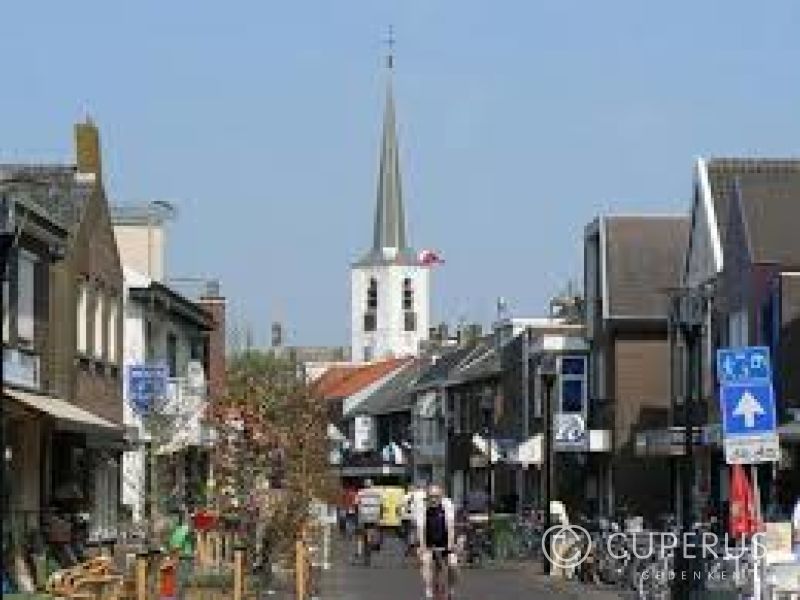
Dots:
pixel 723 173
pixel 394 395
pixel 481 362
pixel 643 258
pixel 437 372
pixel 770 208
pixel 327 383
pixel 715 180
pixel 174 303
pixel 56 189
pixel 345 381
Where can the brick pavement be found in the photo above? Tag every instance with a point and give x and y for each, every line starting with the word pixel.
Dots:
pixel 392 578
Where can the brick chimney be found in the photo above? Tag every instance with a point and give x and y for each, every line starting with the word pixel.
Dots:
pixel 87 149
pixel 215 365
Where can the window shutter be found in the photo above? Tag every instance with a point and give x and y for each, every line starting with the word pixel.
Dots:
pixel 82 320
pixel 112 331
pixel 25 290
pixel 98 325
pixel 6 305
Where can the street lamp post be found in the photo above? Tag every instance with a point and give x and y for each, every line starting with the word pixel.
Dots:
pixel 490 397
pixel 6 239
pixel 548 372
pixel 688 309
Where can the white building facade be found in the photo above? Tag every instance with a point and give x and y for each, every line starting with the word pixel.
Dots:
pixel 162 328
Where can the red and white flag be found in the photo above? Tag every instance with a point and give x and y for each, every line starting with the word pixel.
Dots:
pixel 429 258
pixel 743 511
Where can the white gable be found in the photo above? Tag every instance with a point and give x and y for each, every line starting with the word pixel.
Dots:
pixel 704 258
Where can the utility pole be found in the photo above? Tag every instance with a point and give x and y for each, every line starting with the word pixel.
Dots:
pixel 6 241
pixel 549 373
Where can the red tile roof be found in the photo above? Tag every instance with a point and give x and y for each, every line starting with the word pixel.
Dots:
pixel 342 382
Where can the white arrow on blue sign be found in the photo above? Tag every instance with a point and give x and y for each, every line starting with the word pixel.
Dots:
pixel 748 409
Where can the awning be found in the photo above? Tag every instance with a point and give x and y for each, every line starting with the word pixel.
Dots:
pixel 178 444
pixel 373 471
pixel 68 415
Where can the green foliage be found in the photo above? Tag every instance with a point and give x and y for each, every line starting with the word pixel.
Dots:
pixel 271 434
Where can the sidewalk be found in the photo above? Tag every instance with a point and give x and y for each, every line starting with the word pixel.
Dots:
pixel 572 589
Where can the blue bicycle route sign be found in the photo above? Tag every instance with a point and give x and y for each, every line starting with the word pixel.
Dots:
pixel 741 365
pixel 147 385
pixel 747 405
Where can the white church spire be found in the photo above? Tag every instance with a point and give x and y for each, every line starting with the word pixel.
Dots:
pixel 389 285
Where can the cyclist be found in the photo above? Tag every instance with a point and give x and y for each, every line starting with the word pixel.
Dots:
pixel 437 536
pixel 370 506
pixel 414 508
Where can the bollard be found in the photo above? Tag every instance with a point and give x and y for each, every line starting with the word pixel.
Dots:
pixel 326 546
pixel 141 575
pixel 238 573
pixel 168 582
pixel 185 563
pixel 300 569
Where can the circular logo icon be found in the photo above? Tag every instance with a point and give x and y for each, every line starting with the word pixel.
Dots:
pixel 566 546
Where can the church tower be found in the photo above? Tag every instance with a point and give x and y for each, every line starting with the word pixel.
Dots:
pixel 390 296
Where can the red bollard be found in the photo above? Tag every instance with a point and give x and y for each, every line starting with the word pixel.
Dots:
pixel 168 587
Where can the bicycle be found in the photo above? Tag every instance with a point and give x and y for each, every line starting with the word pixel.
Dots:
pixel 442 574
pixel 369 541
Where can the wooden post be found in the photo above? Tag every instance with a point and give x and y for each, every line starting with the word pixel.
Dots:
pixel 238 573
pixel 300 569
pixel 141 576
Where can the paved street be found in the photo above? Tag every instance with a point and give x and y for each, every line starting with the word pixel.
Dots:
pixel 391 579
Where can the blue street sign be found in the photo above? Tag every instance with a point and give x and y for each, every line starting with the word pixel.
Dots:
pixel 748 410
pixel 147 385
pixel 742 365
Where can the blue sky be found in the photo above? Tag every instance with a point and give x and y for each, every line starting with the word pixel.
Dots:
pixel 520 120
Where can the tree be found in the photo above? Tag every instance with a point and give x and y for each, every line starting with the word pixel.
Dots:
pixel 271 456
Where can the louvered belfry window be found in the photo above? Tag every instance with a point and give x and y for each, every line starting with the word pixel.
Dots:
pixel 371 314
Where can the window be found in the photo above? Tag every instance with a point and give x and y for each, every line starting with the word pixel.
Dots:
pixel 98 324
pixel 172 354
pixel 6 304
pixel 26 267
pixel 367 353
pixel 83 317
pixel 372 294
pixel 149 342
pixel 408 294
pixel 111 336
pixel 573 384
pixel 410 321
pixel 371 316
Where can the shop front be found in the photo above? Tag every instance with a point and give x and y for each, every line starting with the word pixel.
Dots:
pixel 64 464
